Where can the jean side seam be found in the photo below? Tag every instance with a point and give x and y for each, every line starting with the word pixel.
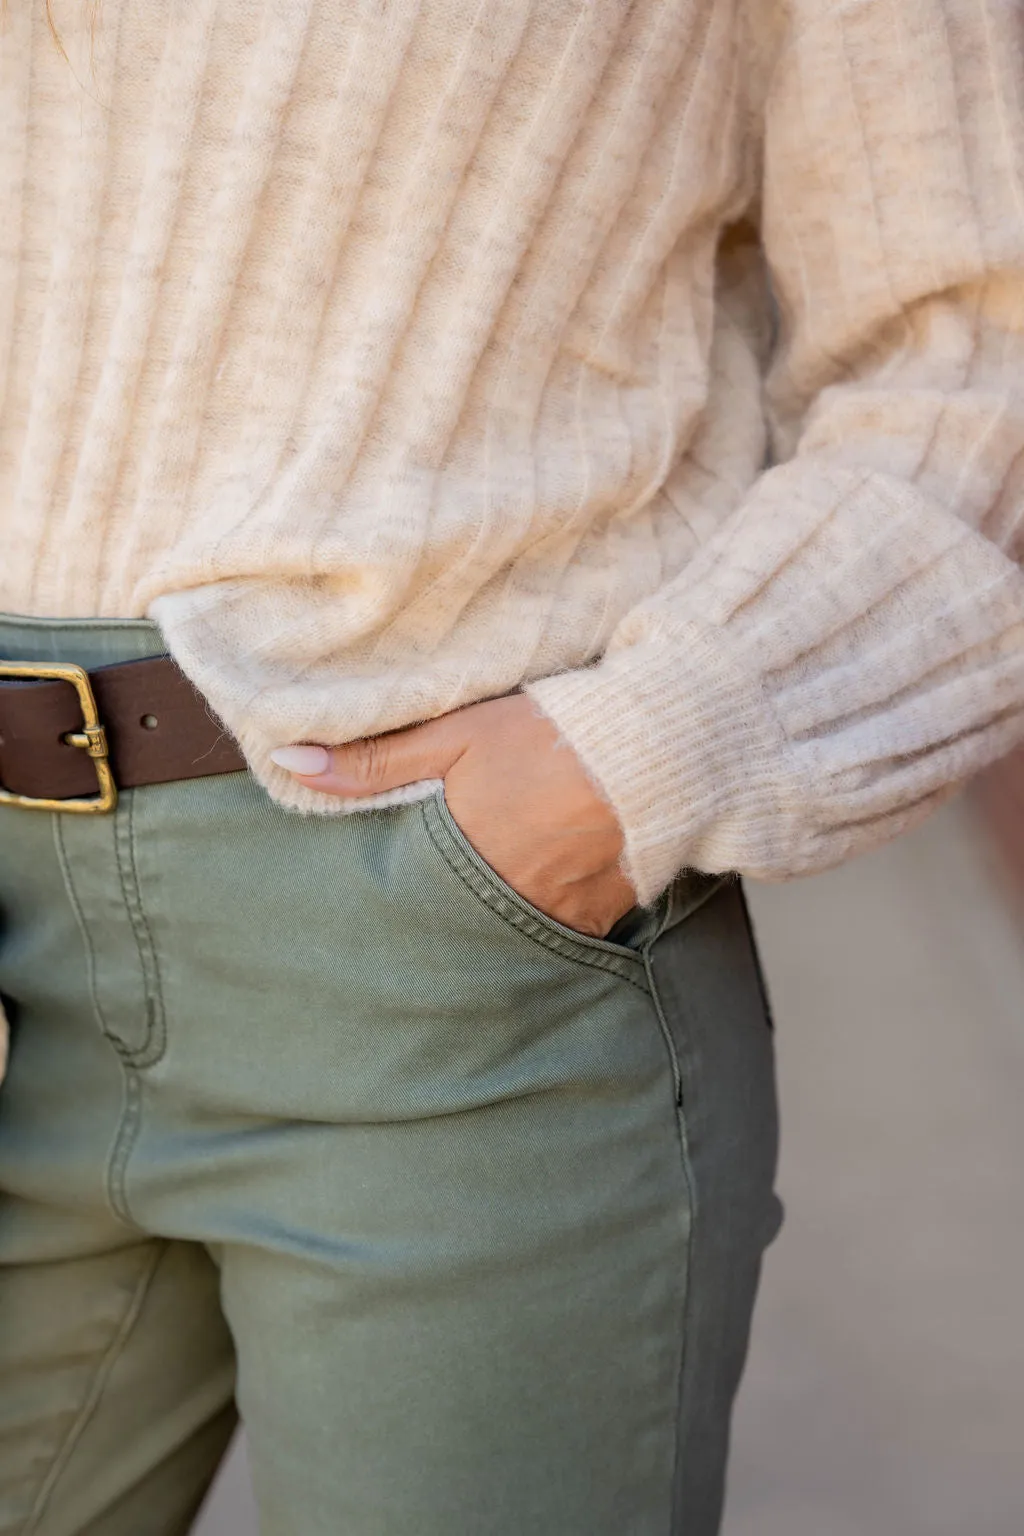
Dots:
pixel 666 1033
pixel 94 1392
pixel 154 1038
pixel 693 1233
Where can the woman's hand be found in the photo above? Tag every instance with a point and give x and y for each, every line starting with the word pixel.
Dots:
pixel 518 792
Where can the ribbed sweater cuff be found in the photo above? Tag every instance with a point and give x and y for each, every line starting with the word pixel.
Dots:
pixel 683 745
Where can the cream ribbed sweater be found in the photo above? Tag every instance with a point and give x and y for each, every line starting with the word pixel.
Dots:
pixel 392 354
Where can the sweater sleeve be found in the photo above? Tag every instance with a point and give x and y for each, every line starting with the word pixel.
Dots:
pixel 849 645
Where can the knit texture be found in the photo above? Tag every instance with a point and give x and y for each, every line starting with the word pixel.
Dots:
pixel 392 356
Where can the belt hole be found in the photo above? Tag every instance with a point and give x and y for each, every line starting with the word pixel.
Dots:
pixel 149 722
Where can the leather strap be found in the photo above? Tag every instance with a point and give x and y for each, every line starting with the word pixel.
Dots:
pixel 158 728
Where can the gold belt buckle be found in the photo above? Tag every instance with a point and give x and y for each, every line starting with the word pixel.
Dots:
pixel 92 738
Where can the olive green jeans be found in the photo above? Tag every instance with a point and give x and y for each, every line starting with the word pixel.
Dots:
pixel 316 1115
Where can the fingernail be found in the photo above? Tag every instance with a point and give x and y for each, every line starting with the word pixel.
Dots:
pixel 307 761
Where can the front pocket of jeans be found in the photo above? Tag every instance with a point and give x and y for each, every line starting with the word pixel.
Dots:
pixel 481 880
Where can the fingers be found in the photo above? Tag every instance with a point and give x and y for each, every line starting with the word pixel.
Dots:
pixel 378 763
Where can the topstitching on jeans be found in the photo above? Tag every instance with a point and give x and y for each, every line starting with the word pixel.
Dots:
pixel 531 928
pixel 83 927
pixel 152 1034
pixel 155 1035
pixel 104 1366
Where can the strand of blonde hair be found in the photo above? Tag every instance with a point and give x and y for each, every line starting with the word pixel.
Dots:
pixel 52 24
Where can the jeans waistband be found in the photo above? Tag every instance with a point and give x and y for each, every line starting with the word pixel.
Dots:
pixel 100 642
pixel 90 642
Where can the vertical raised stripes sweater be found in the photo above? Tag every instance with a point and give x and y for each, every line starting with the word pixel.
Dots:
pixel 664 358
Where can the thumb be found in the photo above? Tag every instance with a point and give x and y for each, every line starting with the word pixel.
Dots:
pixel 377 763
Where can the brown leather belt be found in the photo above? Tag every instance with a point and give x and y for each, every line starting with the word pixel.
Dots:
pixel 69 738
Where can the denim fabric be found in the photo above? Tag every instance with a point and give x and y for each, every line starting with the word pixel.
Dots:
pixel 464 1209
